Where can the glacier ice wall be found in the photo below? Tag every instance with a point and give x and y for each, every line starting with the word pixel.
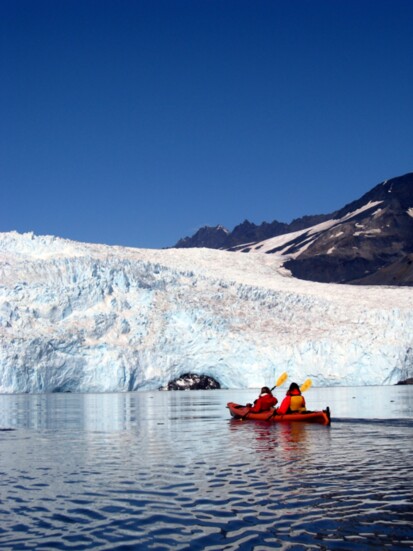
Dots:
pixel 93 318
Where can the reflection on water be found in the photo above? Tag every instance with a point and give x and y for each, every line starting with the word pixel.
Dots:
pixel 286 440
pixel 173 471
pixel 103 412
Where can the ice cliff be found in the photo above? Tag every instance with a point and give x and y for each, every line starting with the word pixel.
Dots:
pixel 95 318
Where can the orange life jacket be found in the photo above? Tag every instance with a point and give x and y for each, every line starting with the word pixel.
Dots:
pixel 297 403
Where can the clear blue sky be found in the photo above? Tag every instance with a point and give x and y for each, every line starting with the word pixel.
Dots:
pixel 136 122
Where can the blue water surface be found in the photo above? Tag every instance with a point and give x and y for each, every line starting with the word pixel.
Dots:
pixel 172 470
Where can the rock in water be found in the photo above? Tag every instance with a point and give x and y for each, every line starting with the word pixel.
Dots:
pixel 190 381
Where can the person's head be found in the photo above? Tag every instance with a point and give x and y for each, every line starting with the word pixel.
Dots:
pixel 265 390
pixel 293 386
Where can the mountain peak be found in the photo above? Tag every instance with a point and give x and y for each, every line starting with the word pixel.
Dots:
pixel 211 237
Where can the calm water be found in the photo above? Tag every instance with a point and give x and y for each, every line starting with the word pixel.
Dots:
pixel 159 470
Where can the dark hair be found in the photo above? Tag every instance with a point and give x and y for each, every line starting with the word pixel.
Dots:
pixel 294 386
pixel 265 390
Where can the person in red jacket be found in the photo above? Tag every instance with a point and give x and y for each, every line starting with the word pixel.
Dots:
pixel 293 401
pixel 264 402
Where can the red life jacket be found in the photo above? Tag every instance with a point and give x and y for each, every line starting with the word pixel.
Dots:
pixel 264 403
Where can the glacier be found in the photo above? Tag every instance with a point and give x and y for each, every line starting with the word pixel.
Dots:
pixel 78 317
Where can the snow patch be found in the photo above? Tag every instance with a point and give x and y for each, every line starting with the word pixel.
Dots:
pixel 365 207
pixel 368 233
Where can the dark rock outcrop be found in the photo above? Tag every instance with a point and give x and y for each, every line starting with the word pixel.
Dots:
pixel 190 381
pixel 406 382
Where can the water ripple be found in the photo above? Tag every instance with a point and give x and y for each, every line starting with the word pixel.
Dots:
pixel 224 485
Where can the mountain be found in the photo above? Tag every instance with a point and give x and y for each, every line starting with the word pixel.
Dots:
pixel 212 238
pixel 219 237
pixel 368 241
pixel 78 317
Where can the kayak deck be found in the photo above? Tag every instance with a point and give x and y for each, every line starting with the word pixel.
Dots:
pixel 242 412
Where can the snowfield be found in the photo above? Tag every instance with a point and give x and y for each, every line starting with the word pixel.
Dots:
pixel 94 318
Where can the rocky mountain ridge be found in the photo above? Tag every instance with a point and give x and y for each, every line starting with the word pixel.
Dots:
pixel 369 241
pixel 219 237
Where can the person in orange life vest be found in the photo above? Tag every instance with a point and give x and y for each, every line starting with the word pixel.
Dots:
pixel 264 402
pixel 293 401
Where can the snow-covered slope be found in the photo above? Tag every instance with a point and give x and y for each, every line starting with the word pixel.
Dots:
pixel 84 317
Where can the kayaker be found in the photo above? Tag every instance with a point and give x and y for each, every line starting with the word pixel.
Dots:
pixel 264 402
pixel 293 401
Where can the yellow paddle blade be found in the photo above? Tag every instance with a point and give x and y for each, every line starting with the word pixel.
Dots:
pixel 306 385
pixel 281 379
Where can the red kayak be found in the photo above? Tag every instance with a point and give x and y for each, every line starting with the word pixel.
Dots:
pixel 242 412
